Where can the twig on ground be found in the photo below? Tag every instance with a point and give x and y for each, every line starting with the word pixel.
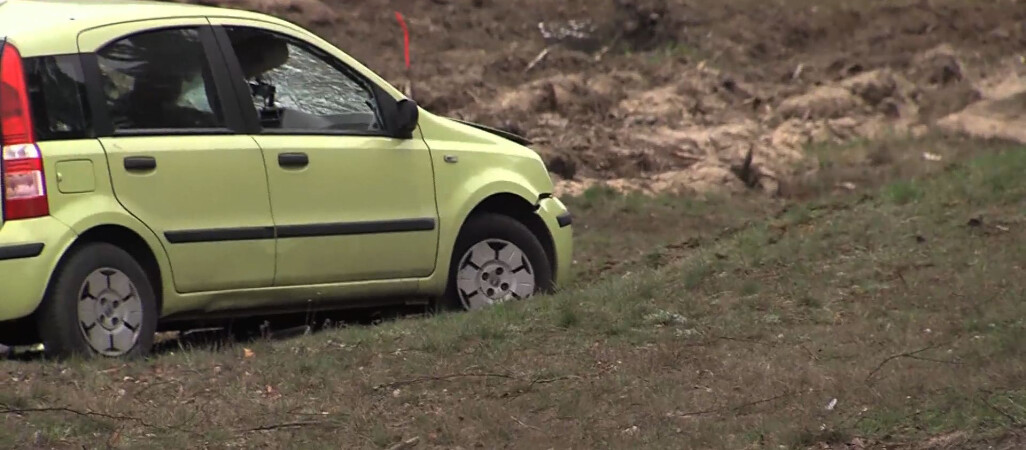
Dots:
pixel 797 71
pixel 942 361
pixel 733 408
pixel 551 380
pixel 537 59
pixel 396 384
pixel 1008 415
pixel 605 49
pixel 286 425
pixel 409 443
pixel 6 409
pixel 910 355
pixel 1011 417
pixel 524 424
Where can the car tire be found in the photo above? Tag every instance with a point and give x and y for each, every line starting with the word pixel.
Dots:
pixel 101 303
pixel 496 258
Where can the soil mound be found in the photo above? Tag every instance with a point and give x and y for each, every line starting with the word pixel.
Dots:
pixel 691 95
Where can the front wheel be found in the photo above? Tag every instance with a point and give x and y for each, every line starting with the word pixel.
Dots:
pixel 100 304
pixel 496 259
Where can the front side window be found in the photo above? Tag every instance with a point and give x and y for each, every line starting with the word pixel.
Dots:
pixel 159 80
pixel 295 89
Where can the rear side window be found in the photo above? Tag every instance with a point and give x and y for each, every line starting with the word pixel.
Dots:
pixel 159 80
pixel 57 97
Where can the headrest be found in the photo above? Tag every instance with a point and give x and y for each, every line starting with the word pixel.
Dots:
pixel 261 53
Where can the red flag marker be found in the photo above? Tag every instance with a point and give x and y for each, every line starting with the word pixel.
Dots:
pixel 406 38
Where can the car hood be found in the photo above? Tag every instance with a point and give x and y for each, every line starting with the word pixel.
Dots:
pixel 513 137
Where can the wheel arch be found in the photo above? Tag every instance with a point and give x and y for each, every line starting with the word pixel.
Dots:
pixel 520 209
pixel 128 240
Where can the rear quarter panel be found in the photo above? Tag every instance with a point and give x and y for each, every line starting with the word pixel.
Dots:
pixel 83 210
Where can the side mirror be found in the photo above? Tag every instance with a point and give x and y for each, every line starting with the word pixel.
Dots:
pixel 406 116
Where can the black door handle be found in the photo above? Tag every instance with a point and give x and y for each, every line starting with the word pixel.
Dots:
pixel 293 159
pixel 139 163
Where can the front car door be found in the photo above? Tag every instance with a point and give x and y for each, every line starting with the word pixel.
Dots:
pixel 175 159
pixel 350 203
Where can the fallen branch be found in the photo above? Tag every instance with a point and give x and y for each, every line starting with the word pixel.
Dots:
pixel 6 409
pixel 1011 417
pixel 910 355
pixel 396 384
pixel 733 408
pixel 1008 415
pixel 520 391
pixel 286 425
pixel 551 380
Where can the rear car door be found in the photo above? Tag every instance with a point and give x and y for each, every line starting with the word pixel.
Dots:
pixel 350 203
pixel 168 124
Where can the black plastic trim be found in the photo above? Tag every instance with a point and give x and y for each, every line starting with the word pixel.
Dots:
pixel 243 97
pixel 223 86
pixel 171 132
pixel 299 231
pixel 565 219
pixel 20 251
pixel 102 125
pixel 350 228
pixel 219 235
pixel 329 132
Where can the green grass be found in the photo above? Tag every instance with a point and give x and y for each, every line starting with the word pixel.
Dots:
pixel 695 324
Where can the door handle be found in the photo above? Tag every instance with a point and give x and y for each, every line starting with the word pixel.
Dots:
pixel 293 160
pixel 140 163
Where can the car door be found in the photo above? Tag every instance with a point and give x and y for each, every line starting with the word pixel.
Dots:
pixel 176 160
pixel 350 203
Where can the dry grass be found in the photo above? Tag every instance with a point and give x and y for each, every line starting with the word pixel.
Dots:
pixel 903 303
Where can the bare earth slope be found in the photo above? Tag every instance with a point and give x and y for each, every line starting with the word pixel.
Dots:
pixel 672 94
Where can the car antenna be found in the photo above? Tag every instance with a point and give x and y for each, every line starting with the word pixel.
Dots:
pixel 408 82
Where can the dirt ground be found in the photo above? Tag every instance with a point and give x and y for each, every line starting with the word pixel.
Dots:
pixel 658 95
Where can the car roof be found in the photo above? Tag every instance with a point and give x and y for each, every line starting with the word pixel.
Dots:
pixel 51 26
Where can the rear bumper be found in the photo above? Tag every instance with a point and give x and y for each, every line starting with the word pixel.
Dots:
pixel 560 224
pixel 29 251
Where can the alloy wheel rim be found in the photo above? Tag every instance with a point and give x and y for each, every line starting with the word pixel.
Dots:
pixel 494 271
pixel 109 312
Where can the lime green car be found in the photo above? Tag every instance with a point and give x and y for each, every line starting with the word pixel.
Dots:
pixel 168 164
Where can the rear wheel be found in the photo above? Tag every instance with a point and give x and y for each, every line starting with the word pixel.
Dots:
pixel 100 304
pixel 496 259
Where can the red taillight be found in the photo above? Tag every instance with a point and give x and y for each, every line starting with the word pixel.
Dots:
pixel 22 165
